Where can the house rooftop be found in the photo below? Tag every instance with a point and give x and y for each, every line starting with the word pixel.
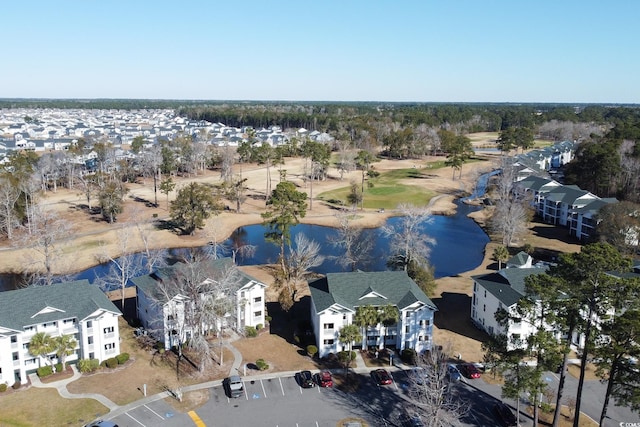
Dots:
pixel 507 285
pixel 379 288
pixel 34 305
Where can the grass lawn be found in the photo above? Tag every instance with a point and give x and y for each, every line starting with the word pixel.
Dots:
pixel 389 190
pixel 45 407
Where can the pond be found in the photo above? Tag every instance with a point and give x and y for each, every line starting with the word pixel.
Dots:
pixel 459 245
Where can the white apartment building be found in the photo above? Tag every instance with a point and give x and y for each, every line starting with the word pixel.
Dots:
pixel 73 308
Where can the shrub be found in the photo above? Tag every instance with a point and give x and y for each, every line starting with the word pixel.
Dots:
pixel 250 331
pixel 346 357
pixel 111 362
pixel 122 358
pixel 44 371
pixel 262 365
pixel 259 326
pixel 267 319
pixel 16 385
pixel 408 355
pixel 58 367
pixel 312 350
pixel 88 365
pixel 3 387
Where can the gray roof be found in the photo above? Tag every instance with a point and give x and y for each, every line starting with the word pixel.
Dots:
pixel 566 194
pixel 77 299
pixel 507 285
pixel 519 259
pixel 383 287
pixel 537 183
pixel 594 206
pixel 149 283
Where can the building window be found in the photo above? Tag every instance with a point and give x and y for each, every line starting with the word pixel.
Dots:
pixel 485 293
pixel 90 340
pixel 257 313
pixel 328 342
pixel 328 326
pixel 16 356
pixel 242 294
pixel 92 356
pixel 89 324
pixel 14 339
pixel 257 299
pixel 420 338
pixel 28 329
pixel 109 346
pixel 475 286
pixel 109 330
pixel 484 307
pixel 170 318
pixel 406 329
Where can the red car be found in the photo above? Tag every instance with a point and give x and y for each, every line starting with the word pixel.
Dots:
pixel 381 377
pixel 324 379
pixel 469 370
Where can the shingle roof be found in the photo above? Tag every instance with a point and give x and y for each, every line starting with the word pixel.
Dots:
pixel 149 283
pixel 566 194
pixel 77 299
pixel 519 259
pixel 537 183
pixel 507 285
pixel 367 288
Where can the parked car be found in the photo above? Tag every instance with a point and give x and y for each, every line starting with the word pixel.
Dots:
pixel 381 377
pixel 101 423
pixel 233 386
pixel 324 379
pixel 305 379
pixel 469 370
pixel 453 374
pixel 505 415
pixel 418 375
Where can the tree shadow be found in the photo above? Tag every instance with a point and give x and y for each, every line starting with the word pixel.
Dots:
pixel 454 314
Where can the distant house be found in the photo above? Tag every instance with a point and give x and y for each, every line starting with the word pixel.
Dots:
pixel 336 297
pixel 163 314
pixel 520 260
pixel 74 308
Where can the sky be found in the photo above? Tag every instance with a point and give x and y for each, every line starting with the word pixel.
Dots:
pixel 560 51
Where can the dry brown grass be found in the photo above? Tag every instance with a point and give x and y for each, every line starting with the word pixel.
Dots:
pixel 566 420
pixel 125 384
pixel 279 354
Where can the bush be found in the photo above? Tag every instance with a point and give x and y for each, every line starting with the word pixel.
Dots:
pixel 312 350
pixel 250 331
pixel 16 385
pixel 267 319
pixel 262 365
pixel 111 362
pixel 346 357
pixel 58 367
pixel 3 387
pixel 122 358
pixel 88 365
pixel 408 356
pixel 259 326
pixel 44 371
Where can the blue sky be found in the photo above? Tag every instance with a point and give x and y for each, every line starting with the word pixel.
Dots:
pixel 323 50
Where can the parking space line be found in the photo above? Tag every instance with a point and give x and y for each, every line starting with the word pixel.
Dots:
pixel 196 419
pixel 264 392
pixel 161 417
pixel 281 387
pixel 129 415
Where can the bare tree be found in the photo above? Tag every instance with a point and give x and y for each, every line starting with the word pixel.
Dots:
pixel 510 219
pixel 9 195
pixel 429 391
pixel 48 232
pixel 409 243
pixel 122 268
pixel 303 256
pixel 227 158
pixel 355 243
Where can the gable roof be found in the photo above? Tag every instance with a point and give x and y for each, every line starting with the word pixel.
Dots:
pixel 507 285
pixel 149 283
pixel 34 305
pixel 518 260
pixel 360 288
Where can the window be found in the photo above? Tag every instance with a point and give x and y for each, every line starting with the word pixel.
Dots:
pixel 109 330
pixel 257 299
pixel 89 324
pixel 328 326
pixel 328 342
pixel 28 329
pixel 420 338
pixel 242 294
pixel 109 346
pixel 344 316
pixel 406 329
pixel 14 339
pixel 485 293
pixel 90 340
pixel 484 307
pixel 170 318
pixel 257 313
pixel 16 356
pixel 475 286
pixel 92 356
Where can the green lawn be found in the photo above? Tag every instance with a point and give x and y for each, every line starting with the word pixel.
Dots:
pixel 45 407
pixel 388 192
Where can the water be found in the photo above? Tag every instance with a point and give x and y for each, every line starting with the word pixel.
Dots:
pixel 459 245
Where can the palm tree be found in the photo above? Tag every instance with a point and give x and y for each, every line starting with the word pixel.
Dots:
pixel 500 254
pixel 65 345
pixel 388 315
pixel 41 344
pixel 347 335
pixel 365 317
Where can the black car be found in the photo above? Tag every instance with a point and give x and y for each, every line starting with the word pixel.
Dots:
pixel 505 415
pixel 305 379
